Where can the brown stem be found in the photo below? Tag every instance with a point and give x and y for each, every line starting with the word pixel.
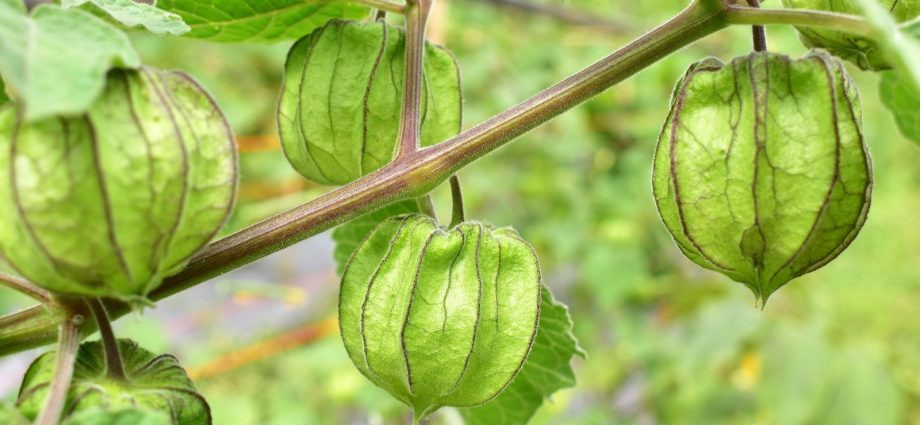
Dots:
pixel 457 196
pixel 410 122
pixel 416 174
pixel 26 288
pixel 758 32
pixel 68 345
pixel 114 367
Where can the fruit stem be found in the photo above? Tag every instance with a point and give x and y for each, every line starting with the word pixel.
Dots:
pixel 457 195
pixel 68 345
pixel 758 31
pixel 25 287
pixel 114 367
pixel 410 121
pixel 426 207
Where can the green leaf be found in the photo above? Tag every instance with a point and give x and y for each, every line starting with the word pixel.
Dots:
pixel 548 369
pixel 862 51
pixel 153 383
pixel 901 45
pixel 903 100
pixel 348 236
pixel 126 416
pixel 132 14
pixel 55 61
pixel 267 21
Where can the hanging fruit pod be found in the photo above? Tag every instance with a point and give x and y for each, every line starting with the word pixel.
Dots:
pixel 153 386
pixel 440 317
pixel 761 172
pixel 339 111
pixel 110 202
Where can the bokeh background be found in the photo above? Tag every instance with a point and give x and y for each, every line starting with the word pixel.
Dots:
pixel 667 342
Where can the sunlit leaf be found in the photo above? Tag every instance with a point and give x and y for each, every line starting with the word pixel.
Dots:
pixel 242 20
pixel 55 60
pixel 132 14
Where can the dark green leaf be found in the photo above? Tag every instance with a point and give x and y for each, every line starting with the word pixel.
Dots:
pixel 903 100
pixel 132 14
pixel 548 369
pixel 349 235
pixel 241 20
pixel 55 61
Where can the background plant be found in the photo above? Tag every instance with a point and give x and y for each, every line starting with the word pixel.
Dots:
pixel 578 232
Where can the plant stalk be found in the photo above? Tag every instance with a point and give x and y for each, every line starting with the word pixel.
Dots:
pixel 26 288
pixel 426 207
pixel 459 215
pixel 410 121
pixel 114 366
pixel 68 345
pixel 758 32
pixel 850 24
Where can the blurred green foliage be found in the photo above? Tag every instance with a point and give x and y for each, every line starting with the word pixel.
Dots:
pixel 667 342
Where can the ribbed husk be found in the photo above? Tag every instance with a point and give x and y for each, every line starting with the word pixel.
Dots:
pixel 339 111
pixel 440 317
pixel 154 383
pixel 761 172
pixel 110 202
